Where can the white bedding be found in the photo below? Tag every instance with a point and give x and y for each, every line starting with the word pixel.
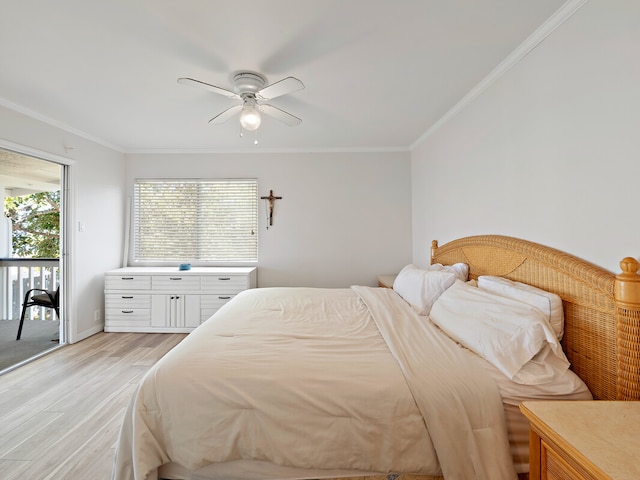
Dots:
pixel 317 379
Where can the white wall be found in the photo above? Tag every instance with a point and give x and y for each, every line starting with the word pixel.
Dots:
pixel 550 152
pixel 97 198
pixel 344 219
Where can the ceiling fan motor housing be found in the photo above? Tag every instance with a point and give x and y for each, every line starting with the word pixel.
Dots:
pixel 248 82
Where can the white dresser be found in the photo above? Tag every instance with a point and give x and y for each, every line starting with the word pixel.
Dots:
pixel 165 299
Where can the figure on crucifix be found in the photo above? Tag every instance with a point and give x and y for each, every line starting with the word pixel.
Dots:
pixel 271 203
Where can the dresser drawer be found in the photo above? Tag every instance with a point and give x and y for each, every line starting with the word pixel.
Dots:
pixel 176 283
pixel 225 283
pixel 209 304
pixel 127 301
pixel 136 315
pixel 127 282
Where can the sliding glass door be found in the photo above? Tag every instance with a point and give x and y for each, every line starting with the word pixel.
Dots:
pixel 32 244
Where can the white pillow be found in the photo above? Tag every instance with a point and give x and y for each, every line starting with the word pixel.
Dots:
pixel 544 367
pixel 461 270
pixel 420 288
pixel 505 332
pixel 549 303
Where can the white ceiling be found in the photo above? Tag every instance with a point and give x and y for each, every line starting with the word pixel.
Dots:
pixel 378 73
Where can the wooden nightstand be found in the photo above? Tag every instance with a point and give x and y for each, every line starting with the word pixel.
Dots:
pixel 386 281
pixel 575 440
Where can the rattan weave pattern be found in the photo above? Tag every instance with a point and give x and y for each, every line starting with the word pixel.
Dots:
pixel 602 333
pixel 628 338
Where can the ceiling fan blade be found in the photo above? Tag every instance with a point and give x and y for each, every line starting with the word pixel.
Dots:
pixel 281 115
pixel 282 87
pixel 226 115
pixel 206 86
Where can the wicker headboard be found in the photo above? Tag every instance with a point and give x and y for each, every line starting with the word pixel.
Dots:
pixel 602 310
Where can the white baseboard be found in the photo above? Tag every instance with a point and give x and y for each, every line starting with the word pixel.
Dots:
pixel 86 333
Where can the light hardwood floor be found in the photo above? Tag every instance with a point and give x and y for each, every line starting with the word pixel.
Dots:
pixel 60 415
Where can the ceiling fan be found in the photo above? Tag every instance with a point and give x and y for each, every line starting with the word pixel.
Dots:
pixel 251 88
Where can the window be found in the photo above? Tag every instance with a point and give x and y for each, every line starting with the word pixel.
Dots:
pixel 195 220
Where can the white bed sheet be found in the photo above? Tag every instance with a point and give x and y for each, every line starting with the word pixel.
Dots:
pixel 567 387
pixel 389 406
pixel 281 345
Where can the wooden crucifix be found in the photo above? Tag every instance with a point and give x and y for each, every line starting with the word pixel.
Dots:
pixel 271 201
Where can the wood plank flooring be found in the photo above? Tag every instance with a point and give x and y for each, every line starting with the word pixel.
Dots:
pixel 60 415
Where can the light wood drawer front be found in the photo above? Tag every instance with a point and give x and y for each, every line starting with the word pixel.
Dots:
pixel 176 283
pixel 128 314
pixel 555 467
pixel 127 282
pixel 225 283
pixel 127 301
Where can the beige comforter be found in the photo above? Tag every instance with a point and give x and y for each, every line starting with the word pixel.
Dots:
pixel 317 378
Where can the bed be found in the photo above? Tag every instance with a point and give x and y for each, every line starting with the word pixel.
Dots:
pixel 255 394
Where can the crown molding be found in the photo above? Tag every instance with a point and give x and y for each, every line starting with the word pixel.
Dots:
pixel 54 123
pixel 541 33
pixel 249 150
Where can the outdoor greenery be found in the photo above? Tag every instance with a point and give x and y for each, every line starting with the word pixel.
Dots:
pixel 36 224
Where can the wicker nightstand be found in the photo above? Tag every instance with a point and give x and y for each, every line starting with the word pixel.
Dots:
pixel 576 440
pixel 386 281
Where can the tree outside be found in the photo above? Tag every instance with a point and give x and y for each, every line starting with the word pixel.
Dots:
pixel 35 221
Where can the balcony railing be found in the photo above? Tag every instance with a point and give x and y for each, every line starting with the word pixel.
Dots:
pixel 17 276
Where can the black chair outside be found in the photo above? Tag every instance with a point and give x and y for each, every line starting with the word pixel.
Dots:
pixel 48 299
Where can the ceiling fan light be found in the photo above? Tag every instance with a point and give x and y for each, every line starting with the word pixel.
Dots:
pixel 250 118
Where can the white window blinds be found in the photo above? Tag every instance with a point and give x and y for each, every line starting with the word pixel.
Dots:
pixel 195 220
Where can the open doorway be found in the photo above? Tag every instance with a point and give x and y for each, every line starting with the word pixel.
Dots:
pixel 31 232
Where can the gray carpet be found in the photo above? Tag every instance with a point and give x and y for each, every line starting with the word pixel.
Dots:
pixel 37 336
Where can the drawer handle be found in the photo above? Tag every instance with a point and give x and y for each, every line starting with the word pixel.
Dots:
pixel 126 278
pixel 224 278
pixel 175 278
pixel 127 297
pixel 224 298
pixel 127 311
